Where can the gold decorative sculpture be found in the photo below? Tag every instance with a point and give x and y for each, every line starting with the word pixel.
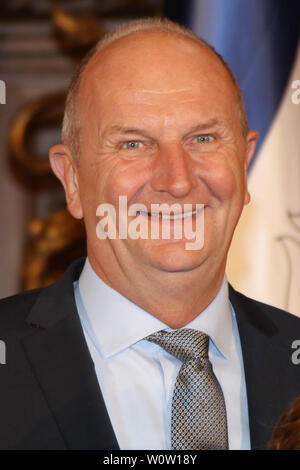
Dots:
pixel 52 244
pixel 76 32
pixel 46 111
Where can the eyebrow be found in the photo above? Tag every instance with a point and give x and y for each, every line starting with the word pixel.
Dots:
pixel 117 129
pixel 215 122
pixel 124 130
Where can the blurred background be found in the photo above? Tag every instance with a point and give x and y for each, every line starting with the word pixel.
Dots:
pixel 41 42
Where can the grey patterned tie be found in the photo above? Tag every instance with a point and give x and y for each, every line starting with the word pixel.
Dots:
pixel 198 418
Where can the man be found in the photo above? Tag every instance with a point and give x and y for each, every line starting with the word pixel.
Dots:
pixel 153 115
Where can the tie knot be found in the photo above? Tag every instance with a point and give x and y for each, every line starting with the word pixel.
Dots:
pixel 184 344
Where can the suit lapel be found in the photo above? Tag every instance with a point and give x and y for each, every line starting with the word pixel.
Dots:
pixel 64 369
pixel 265 363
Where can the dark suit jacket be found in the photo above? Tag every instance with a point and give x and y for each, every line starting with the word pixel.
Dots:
pixel 49 393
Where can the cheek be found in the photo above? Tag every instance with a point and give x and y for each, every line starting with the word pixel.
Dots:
pixel 88 197
pixel 223 176
pixel 105 181
pixel 127 179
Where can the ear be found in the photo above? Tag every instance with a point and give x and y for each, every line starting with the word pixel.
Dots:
pixel 64 167
pixel 251 139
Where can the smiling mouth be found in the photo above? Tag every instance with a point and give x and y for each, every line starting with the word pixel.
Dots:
pixel 167 216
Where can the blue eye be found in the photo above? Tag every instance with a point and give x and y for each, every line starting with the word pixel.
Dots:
pixel 132 145
pixel 204 138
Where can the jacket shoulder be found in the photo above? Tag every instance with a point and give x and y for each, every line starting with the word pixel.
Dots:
pixel 15 309
pixel 263 312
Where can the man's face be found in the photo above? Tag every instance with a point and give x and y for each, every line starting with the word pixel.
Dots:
pixel 160 124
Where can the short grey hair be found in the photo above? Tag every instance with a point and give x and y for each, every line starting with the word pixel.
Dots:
pixel 71 120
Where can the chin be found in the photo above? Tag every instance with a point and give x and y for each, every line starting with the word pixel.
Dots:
pixel 174 257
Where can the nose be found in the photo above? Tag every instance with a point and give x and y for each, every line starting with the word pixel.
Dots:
pixel 173 172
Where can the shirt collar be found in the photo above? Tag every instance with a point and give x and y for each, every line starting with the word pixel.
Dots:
pixel 118 323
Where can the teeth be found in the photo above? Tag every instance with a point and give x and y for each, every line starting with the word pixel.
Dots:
pixel 178 216
pixel 170 216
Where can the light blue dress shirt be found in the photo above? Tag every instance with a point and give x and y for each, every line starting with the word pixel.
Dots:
pixel 137 377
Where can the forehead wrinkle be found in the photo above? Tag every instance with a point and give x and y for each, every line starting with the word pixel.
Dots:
pixel 143 102
pixel 155 100
pixel 179 90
